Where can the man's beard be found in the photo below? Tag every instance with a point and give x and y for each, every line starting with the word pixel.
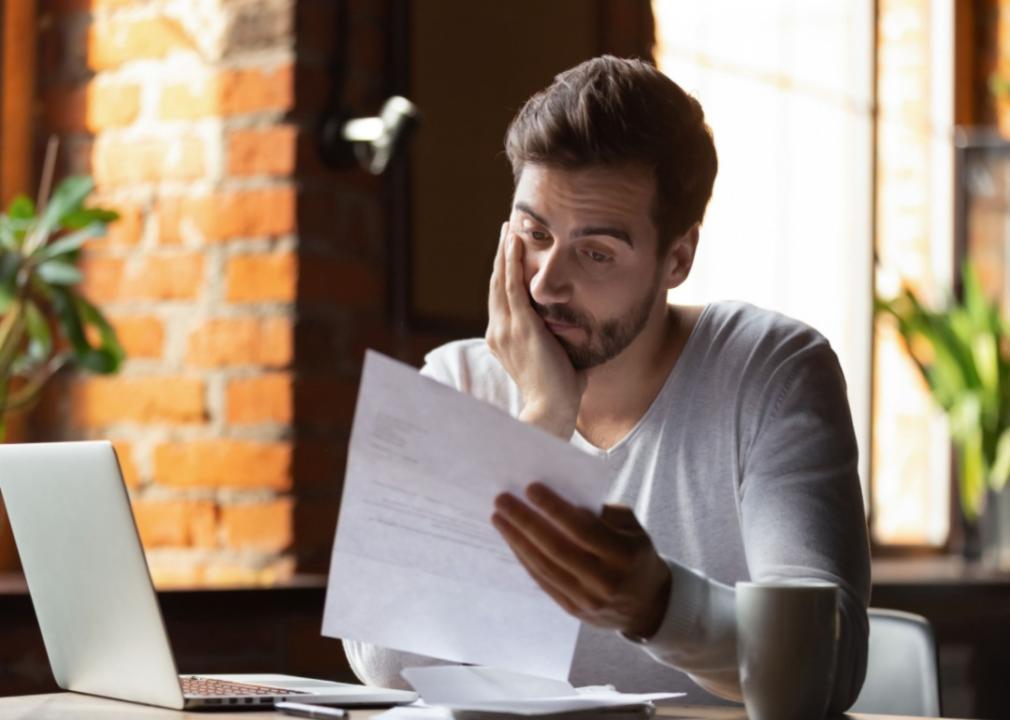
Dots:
pixel 606 340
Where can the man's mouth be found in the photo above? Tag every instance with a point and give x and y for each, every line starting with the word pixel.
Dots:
pixel 557 327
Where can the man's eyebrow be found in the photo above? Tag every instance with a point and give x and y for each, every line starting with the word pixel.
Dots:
pixel 616 233
pixel 529 211
pixel 613 232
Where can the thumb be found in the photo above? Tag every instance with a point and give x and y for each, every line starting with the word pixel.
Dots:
pixel 620 517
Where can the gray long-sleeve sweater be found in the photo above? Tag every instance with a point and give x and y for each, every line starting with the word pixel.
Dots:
pixel 743 468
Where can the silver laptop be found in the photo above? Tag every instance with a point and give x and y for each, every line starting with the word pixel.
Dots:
pixel 92 591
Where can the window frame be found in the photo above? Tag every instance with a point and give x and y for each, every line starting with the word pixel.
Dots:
pixel 18 44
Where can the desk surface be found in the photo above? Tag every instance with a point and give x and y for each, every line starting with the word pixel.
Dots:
pixel 60 706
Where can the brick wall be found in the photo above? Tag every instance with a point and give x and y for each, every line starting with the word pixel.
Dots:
pixel 244 279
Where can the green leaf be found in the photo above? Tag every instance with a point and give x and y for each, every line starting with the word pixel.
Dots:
pixel 6 297
pixel 57 272
pixel 109 355
pixel 8 238
pixel 999 473
pixel 72 242
pixel 82 217
pixel 12 329
pixel 975 302
pixel 972 476
pixel 965 417
pixel 66 199
pixel 75 313
pixel 21 208
pixel 40 338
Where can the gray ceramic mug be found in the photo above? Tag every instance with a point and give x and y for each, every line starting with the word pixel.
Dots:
pixel 787 638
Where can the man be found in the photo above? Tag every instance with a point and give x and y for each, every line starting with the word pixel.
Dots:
pixel 726 428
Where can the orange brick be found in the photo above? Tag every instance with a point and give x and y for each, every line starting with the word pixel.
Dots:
pixel 124 451
pixel 267 151
pixel 92 107
pixel 177 215
pixel 175 572
pixel 261 399
pixel 230 574
pixel 262 277
pixel 101 400
pixel 177 523
pixel 265 526
pixel 164 277
pixel 249 213
pixel 224 463
pixel 230 92
pixel 263 341
pixel 103 277
pixel 129 163
pixel 141 337
pixel 115 42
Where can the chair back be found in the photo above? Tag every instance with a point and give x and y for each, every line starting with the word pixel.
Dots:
pixel 901 671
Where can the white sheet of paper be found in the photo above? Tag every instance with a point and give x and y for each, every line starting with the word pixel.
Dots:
pixel 416 563
pixel 493 690
pixel 454 684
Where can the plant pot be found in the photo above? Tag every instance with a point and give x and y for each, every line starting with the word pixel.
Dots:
pixel 994 530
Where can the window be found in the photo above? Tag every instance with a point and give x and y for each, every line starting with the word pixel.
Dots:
pixel 787 88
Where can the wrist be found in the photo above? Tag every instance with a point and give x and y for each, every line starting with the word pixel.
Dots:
pixel 560 424
pixel 647 627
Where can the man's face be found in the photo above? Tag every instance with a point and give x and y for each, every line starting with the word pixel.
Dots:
pixel 589 255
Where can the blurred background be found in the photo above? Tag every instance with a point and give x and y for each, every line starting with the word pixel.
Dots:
pixel 257 253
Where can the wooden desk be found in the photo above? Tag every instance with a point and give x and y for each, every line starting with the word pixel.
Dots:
pixel 277 630
pixel 61 706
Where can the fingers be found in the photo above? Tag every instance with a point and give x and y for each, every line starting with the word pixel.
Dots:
pixel 551 579
pixel 497 302
pixel 515 282
pixel 595 534
pixel 620 517
pixel 532 531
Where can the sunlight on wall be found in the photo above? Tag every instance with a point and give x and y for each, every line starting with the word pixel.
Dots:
pixel 911 459
pixel 787 89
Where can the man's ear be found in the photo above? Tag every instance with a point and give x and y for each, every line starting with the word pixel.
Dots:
pixel 680 258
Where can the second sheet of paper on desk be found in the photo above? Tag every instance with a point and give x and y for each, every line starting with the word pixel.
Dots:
pixel 417 565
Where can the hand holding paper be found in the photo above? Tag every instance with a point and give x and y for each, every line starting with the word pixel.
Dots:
pixel 416 564
pixel 603 570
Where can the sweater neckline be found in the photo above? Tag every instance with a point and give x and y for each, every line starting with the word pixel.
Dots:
pixel 675 371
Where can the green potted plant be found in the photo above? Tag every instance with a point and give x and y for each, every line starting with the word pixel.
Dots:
pixel 963 353
pixel 44 321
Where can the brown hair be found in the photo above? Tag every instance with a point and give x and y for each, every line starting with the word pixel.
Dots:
pixel 612 111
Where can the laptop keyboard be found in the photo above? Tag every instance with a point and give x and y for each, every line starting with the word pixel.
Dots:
pixel 193 686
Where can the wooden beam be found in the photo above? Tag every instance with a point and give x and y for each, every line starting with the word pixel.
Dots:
pixel 17 93
pixel 965 65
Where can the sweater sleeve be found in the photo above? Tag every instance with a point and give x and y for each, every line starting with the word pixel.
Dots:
pixel 802 517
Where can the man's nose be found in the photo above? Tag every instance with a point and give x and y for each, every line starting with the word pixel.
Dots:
pixel 551 280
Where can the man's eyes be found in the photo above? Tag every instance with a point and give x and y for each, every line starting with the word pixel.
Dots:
pixel 599 257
